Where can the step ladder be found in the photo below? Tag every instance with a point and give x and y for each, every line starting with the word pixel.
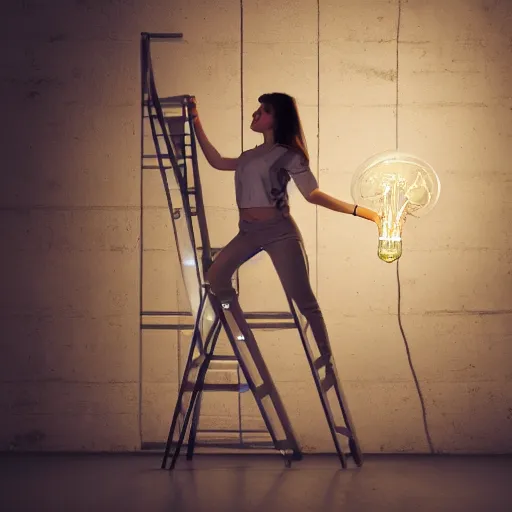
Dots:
pixel 174 141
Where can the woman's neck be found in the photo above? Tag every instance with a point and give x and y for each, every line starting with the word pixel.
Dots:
pixel 268 139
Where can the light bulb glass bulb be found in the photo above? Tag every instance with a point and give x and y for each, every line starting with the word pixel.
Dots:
pixel 395 185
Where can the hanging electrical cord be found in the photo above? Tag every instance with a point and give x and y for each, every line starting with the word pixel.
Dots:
pixel 399 308
pixel 242 76
pixel 317 132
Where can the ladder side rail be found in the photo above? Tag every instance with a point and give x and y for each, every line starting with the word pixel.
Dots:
pixel 207 256
pixel 184 382
pixel 177 174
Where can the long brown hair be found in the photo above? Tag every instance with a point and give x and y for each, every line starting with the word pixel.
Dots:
pixel 287 126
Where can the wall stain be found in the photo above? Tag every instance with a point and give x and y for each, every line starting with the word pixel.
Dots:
pixel 389 75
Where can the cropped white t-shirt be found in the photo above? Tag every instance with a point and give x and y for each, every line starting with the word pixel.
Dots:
pixel 262 175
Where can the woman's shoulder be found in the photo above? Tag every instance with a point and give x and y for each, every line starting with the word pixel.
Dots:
pixel 292 151
pixel 285 147
pixel 295 157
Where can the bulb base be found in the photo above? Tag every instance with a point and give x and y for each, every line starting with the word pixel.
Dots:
pixel 389 249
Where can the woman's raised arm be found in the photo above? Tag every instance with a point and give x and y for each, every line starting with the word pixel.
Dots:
pixel 212 155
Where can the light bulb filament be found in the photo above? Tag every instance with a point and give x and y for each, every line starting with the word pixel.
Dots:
pixel 395 185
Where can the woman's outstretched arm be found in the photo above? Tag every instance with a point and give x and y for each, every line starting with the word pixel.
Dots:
pixel 322 199
pixel 212 155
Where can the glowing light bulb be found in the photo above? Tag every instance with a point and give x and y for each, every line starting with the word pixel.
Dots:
pixel 395 185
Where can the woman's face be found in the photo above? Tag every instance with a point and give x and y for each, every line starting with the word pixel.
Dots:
pixel 262 119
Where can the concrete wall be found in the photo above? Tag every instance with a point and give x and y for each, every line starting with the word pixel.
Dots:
pixel 73 373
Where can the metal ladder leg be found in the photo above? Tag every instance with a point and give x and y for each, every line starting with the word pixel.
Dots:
pixel 261 384
pixel 193 428
pixel 330 381
pixel 195 393
pixel 353 442
pixel 192 369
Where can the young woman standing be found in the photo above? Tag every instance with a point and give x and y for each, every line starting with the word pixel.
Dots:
pixel 261 178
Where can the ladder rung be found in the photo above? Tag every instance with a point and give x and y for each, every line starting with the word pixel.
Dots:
pixel 221 387
pixel 231 431
pixel 224 358
pixel 272 325
pixel 238 388
pixel 198 361
pixel 173 101
pixel 223 366
pixel 221 363
pixel 343 431
pixel 328 382
pixel 174 118
pixel 320 362
pixel 262 390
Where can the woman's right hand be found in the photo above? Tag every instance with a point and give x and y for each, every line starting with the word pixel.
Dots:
pixel 192 107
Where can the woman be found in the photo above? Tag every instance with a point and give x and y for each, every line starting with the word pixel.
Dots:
pixel 261 178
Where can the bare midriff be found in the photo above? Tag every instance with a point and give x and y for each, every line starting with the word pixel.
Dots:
pixel 259 213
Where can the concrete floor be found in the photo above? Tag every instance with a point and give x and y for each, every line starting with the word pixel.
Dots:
pixel 97 483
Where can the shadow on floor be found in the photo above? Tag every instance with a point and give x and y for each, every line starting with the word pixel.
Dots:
pixel 122 482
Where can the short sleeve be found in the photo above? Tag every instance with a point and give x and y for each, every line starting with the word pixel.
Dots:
pixel 299 170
